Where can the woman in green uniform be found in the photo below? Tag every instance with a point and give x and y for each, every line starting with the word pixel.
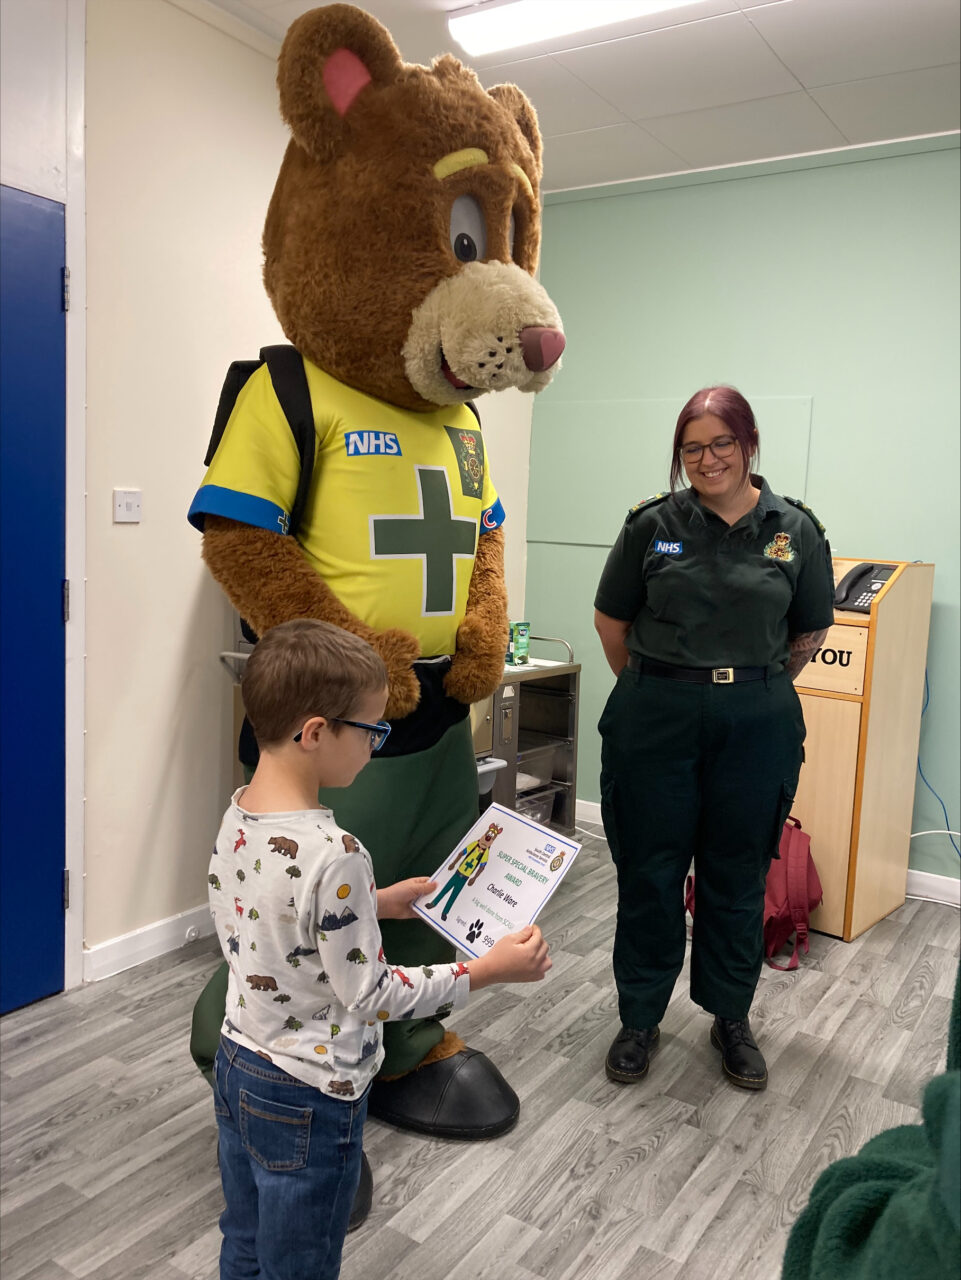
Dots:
pixel 712 599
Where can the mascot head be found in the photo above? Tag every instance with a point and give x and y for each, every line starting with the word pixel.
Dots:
pixel 402 237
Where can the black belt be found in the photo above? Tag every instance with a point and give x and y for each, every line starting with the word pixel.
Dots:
pixel 696 675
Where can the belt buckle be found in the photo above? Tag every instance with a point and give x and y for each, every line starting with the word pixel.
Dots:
pixel 722 675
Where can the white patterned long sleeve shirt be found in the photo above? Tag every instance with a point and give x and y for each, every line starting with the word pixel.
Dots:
pixel 295 908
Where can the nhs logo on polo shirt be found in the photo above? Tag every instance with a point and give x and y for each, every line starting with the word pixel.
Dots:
pixel 668 548
pixel 360 443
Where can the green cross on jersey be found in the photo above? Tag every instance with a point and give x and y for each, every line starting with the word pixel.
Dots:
pixel 436 536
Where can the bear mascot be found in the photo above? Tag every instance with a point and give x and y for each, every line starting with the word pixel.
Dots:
pixel 400 247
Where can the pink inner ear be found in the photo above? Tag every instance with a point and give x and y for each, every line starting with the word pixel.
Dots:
pixel 344 77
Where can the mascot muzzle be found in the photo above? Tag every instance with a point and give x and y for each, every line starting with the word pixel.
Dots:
pixel 490 327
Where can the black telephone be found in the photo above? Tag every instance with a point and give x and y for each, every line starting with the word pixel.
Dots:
pixel 859 586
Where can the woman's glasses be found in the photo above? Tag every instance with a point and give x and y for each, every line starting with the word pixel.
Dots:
pixel 722 447
pixel 379 732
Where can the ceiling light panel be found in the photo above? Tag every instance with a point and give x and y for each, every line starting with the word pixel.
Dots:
pixel 512 24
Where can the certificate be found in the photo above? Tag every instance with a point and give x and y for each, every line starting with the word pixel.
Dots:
pixel 497 879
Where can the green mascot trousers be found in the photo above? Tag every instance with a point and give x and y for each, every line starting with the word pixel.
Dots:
pixel 409 812
pixel 704 772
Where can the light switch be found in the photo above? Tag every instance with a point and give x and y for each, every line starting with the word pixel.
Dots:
pixel 127 506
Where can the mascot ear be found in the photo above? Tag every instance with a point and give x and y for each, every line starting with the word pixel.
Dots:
pixel 519 106
pixel 329 57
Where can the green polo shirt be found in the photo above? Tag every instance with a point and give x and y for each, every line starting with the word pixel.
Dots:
pixel 701 593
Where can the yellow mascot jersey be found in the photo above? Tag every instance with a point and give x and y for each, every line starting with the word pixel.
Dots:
pixel 396 502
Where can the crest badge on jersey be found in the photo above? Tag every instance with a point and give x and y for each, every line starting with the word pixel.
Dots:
pixel 469 448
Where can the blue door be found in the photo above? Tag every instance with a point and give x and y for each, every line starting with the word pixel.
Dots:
pixel 32 451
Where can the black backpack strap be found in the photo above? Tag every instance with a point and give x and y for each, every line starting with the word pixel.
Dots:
pixel 473 408
pixel 237 375
pixel 286 368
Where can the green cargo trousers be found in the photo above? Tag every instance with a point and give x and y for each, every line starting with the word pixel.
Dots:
pixel 702 772
pixel 409 812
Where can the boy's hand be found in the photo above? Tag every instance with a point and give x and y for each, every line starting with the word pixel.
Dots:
pixel 393 903
pixel 518 957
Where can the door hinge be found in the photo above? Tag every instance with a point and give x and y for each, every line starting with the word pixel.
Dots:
pixel 66 288
pixel 65 599
pixel 66 890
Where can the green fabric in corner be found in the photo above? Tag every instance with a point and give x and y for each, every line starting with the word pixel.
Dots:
pixel 894 1209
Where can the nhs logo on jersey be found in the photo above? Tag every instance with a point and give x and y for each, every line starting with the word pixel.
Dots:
pixel 668 548
pixel 362 443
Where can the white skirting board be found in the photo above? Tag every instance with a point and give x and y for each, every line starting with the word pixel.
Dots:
pixel 587 811
pixel 921 884
pixel 153 940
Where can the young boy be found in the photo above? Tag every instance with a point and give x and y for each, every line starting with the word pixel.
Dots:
pixel 295 907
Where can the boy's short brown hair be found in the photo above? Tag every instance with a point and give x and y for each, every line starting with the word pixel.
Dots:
pixel 306 668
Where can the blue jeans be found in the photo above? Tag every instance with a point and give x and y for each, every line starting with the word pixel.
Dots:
pixel 290 1165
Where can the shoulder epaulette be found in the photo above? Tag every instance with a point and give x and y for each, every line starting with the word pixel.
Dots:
pixel 802 506
pixel 653 500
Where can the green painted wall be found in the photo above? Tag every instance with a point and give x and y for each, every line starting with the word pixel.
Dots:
pixel 827 292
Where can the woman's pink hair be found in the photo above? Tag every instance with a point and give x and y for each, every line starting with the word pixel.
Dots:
pixel 729 405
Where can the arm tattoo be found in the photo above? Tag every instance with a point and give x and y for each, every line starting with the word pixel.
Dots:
pixel 803 649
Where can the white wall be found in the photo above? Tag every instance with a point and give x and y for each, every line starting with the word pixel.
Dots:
pixel 506 419
pixel 33 138
pixel 183 144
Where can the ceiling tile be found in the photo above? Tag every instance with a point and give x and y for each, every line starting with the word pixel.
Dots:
pixel 914 102
pixel 790 124
pixel 703 64
pixel 255 14
pixel 564 104
pixel 833 41
pixel 617 153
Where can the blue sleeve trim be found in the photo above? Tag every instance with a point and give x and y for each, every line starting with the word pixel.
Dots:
pixel 492 518
pixel 213 500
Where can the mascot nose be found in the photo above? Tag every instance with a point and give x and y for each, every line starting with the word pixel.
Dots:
pixel 541 347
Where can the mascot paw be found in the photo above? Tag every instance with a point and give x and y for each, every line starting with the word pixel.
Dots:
pixel 463 1096
pixel 474 676
pixel 399 650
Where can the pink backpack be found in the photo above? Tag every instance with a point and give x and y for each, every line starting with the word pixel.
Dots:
pixel 791 892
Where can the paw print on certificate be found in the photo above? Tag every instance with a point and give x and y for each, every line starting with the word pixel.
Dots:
pixel 474 930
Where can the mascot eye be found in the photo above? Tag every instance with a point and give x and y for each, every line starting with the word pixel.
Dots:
pixel 468 232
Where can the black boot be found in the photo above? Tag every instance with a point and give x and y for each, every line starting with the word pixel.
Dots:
pixel 630 1055
pixel 741 1059
pixel 362 1197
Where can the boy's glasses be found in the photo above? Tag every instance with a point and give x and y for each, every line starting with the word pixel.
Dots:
pixel 722 447
pixel 379 732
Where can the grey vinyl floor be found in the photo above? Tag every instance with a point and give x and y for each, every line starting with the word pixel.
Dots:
pixel 108 1162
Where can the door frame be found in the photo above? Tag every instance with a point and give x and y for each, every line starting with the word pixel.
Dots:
pixel 75 551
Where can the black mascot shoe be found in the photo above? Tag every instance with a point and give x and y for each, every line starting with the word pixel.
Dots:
pixel 629 1056
pixel 741 1059
pixel 464 1097
pixel 363 1196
